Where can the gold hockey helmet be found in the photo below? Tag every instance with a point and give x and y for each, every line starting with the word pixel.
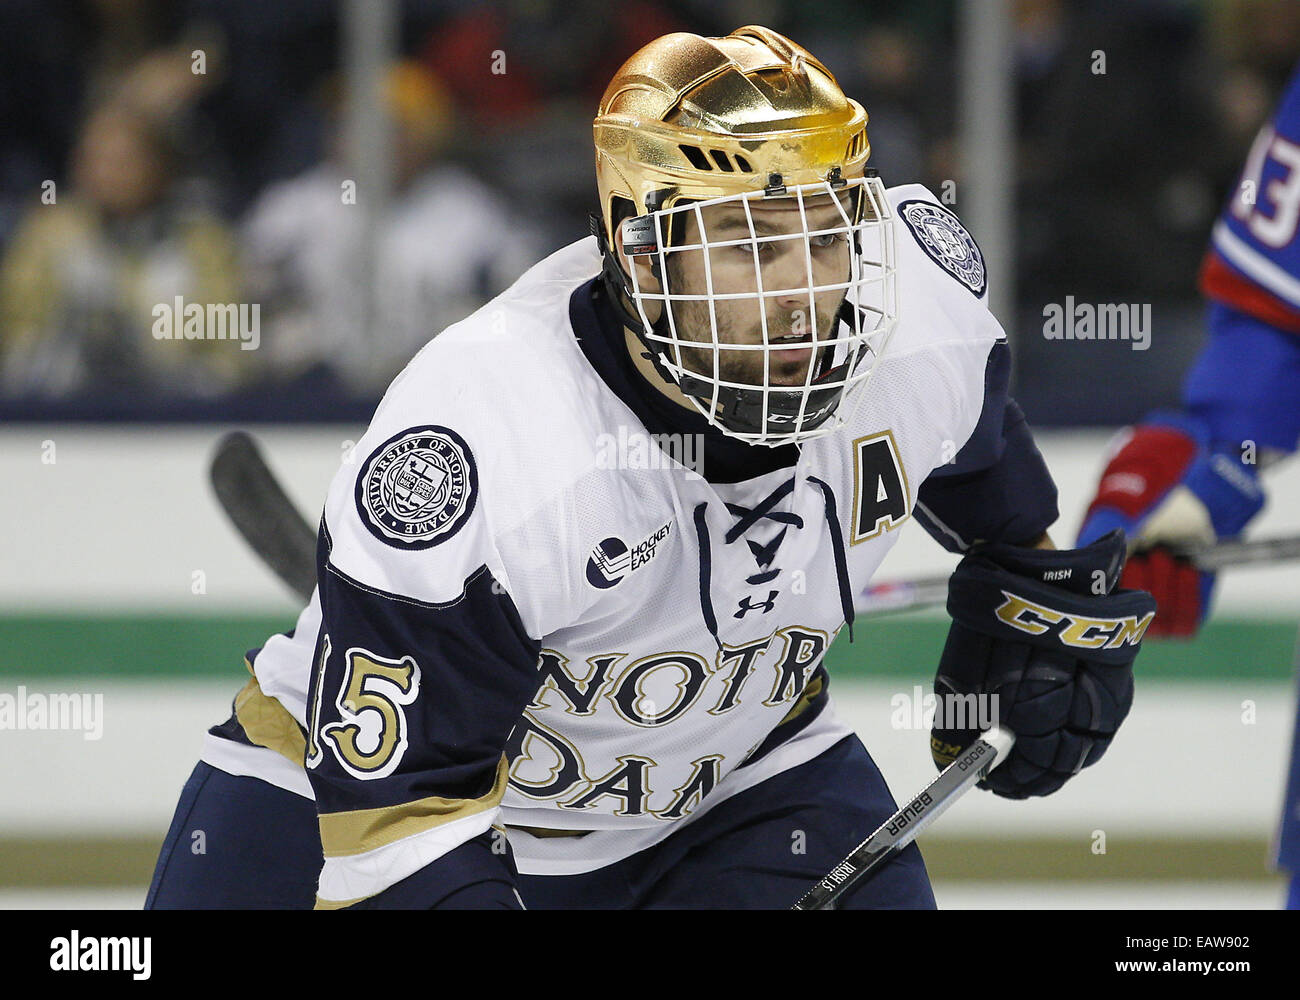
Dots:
pixel 702 118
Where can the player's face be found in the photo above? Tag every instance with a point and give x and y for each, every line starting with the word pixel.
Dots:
pixel 791 262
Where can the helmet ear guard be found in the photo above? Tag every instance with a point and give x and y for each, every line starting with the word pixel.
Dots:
pixel 618 288
pixel 639 239
pixel 639 236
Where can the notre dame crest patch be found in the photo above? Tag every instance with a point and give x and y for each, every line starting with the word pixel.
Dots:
pixel 418 487
pixel 946 241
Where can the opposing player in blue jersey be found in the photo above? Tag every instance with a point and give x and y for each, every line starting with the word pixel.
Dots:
pixel 535 672
pixel 1190 477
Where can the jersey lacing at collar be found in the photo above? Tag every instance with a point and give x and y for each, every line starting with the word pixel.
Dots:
pixel 746 518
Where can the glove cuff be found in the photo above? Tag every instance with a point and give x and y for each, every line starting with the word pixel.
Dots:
pixel 1092 570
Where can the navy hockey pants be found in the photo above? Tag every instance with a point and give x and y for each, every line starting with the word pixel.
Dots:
pixel 761 848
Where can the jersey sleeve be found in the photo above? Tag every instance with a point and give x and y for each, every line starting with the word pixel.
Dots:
pixel 1253 261
pixel 989 481
pixel 1244 383
pixel 997 487
pixel 423 663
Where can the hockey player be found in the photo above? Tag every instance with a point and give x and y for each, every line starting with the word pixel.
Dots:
pixel 1192 477
pixel 544 668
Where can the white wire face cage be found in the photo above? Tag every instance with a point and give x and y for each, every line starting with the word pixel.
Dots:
pixel 778 307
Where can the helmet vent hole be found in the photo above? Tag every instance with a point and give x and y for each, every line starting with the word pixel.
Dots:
pixel 696 155
pixel 743 164
pixel 720 158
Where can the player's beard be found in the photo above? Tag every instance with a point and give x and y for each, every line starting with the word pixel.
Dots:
pixel 747 367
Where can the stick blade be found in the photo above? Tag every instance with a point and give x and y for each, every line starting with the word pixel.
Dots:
pixel 262 513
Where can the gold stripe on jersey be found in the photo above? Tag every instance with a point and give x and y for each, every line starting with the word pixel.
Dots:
pixel 337 904
pixel 358 831
pixel 268 723
pixel 810 693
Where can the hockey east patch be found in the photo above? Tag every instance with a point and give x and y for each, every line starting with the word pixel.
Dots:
pixel 613 558
pixel 418 487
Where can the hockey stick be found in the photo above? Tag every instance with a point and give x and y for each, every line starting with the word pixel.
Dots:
pixel 262 513
pixel 907 595
pixel 1258 552
pixel 902 828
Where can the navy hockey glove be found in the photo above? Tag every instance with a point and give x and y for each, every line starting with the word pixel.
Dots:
pixel 1045 643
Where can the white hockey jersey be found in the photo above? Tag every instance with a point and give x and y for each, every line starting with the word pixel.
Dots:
pixel 511 628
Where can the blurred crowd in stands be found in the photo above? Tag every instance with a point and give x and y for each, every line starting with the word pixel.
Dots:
pixel 161 150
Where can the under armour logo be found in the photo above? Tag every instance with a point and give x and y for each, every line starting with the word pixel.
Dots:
pixel 747 605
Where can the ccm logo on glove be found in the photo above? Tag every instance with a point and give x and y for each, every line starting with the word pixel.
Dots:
pixel 1076 630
